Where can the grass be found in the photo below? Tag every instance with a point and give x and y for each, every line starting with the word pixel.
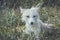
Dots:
pixel 11 26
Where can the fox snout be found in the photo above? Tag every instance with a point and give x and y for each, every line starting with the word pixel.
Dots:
pixel 31 23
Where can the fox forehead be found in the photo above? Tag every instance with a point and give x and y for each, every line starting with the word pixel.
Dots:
pixel 30 12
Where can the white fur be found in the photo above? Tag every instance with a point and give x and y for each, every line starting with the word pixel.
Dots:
pixel 37 23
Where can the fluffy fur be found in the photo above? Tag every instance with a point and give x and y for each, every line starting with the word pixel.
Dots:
pixel 32 16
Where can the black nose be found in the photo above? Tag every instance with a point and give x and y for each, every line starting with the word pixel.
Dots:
pixel 31 23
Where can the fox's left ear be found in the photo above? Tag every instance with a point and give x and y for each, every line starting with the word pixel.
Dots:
pixel 38 5
pixel 22 10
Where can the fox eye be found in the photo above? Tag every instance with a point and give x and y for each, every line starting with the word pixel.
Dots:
pixel 34 16
pixel 27 16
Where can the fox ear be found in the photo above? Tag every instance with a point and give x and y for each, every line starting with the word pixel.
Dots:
pixel 22 10
pixel 38 6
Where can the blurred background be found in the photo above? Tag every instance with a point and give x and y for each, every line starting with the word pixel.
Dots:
pixel 10 18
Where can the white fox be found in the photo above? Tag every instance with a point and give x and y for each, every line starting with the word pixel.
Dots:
pixel 32 19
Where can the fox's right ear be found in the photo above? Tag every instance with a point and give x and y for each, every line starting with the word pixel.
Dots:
pixel 22 10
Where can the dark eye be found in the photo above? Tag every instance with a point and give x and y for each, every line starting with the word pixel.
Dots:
pixel 34 16
pixel 27 16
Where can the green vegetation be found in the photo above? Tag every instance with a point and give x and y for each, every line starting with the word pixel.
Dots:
pixel 11 26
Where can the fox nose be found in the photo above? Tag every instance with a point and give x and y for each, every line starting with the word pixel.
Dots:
pixel 31 23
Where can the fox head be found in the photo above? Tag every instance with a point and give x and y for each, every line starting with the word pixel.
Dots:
pixel 30 16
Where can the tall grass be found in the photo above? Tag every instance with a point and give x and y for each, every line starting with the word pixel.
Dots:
pixel 11 25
